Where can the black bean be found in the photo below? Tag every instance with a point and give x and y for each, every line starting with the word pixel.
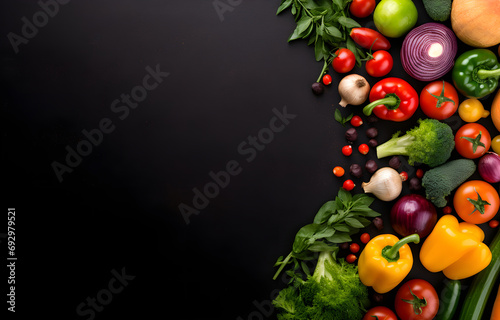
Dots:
pixel 371 132
pixel 373 143
pixel 415 184
pixel 378 223
pixel 318 88
pixel 351 134
pixel 395 162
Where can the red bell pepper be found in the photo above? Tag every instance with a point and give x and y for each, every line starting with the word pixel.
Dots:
pixel 392 99
pixel 368 38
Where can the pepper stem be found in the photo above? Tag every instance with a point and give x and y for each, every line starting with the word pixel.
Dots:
pixel 391 101
pixel 391 253
pixel 485 73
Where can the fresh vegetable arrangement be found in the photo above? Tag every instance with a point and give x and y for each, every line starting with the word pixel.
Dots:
pixel 440 170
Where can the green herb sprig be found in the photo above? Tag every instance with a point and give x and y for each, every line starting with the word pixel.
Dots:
pixel 326 24
pixel 334 223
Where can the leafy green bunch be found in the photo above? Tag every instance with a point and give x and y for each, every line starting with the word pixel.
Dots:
pixel 326 24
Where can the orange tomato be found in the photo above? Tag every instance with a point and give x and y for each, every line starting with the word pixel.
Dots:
pixel 476 201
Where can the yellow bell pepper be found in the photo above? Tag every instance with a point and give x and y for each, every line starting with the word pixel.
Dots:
pixel 455 248
pixel 386 261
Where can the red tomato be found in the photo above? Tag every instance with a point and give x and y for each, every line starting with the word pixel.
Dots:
pixel 472 140
pixel 439 100
pixel 416 291
pixel 382 313
pixel 362 8
pixel 476 201
pixel 380 65
pixel 344 60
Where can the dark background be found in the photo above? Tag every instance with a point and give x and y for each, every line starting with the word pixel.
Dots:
pixel 119 207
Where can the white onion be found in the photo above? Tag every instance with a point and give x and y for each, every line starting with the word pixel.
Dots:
pixel 428 51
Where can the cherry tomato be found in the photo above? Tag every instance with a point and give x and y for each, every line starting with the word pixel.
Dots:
pixel 493 223
pixel 419 173
pixel 380 313
pixel 338 171
pixel 404 175
pixel 348 185
pixel 416 290
pixel 472 140
pixel 327 79
pixel 365 237
pixel 354 247
pixel 495 144
pixel 356 121
pixel 363 148
pixel 476 201
pixel 439 100
pixel 362 8
pixel 344 60
pixel 380 65
pixel 347 150
pixel 447 210
pixel 350 258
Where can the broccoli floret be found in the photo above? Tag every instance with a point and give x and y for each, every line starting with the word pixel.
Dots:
pixel 430 143
pixel 438 10
pixel 440 181
pixel 334 292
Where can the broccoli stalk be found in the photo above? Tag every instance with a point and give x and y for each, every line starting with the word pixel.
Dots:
pixel 334 291
pixel 430 143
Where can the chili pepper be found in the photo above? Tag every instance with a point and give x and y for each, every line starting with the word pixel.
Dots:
pixel 386 261
pixel 392 99
pixel 370 39
pixel 455 248
pixel 476 73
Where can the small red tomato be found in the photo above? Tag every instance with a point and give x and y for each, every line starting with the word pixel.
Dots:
pixel 439 100
pixel 416 300
pixel 362 8
pixel 404 175
pixel 380 65
pixel 338 171
pixel 493 223
pixel 447 210
pixel 327 79
pixel 363 148
pixel 351 258
pixel 365 237
pixel 356 121
pixel 347 150
pixel 419 173
pixel 354 247
pixel 344 60
pixel 380 313
pixel 348 185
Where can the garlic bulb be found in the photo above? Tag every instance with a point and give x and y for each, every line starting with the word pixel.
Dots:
pixel 386 184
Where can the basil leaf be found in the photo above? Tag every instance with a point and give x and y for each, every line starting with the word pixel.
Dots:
pixel 334 32
pixel 319 48
pixel 284 5
pixel 319 246
pixel 339 4
pixel 302 237
pixel 325 212
pixel 342 228
pixel 345 196
pixel 339 238
pixel 353 222
pixel 348 22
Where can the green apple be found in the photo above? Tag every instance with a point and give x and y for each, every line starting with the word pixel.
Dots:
pixel 394 18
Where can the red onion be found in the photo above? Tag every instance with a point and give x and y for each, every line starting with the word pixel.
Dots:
pixel 428 51
pixel 489 167
pixel 413 213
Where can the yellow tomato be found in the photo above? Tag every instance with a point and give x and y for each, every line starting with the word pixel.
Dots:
pixel 495 144
pixel 471 110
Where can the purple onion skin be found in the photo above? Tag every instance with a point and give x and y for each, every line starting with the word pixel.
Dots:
pixel 413 213
pixel 489 167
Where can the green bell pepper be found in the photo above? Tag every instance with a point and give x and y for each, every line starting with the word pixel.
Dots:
pixel 476 73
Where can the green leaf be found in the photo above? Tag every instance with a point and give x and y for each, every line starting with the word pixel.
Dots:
pixel 334 32
pixel 353 222
pixel 348 22
pixel 339 4
pixel 319 49
pixel 345 196
pixel 339 238
pixel 305 268
pixel 338 115
pixel 303 24
pixel 362 199
pixel 319 246
pixel 325 212
pixel 284 5
pixel 370 213
pixel 341 227
pixel 364 222
pixel 303 235
pixel 334 218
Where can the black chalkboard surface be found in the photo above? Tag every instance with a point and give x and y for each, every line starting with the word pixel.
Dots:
pixel 159 156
